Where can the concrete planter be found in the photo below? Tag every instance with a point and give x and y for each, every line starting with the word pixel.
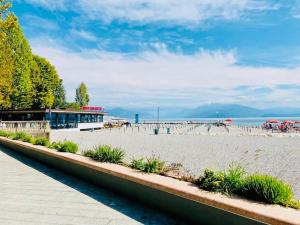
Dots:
pixel 179 198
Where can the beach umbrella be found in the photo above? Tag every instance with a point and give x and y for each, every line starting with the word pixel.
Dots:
pixel 288 122
pixel 228 120
pixel 272 121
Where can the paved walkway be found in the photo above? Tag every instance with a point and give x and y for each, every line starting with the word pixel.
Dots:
pixel 31 193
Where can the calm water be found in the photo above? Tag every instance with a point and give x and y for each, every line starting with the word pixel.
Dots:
pixel 255 121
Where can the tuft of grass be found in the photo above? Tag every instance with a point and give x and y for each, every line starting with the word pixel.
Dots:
pixel 293 204
pixel 267 189
pixel 106 153
pixel 42 141
pixel 22 136
pixel 150 165
pixel 138 164
pixel 154 165
pixel 5 133
pixel 66 146
pixel 257 187
pixel 211 180
pixel 233 179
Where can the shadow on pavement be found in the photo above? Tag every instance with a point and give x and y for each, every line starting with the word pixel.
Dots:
pixel 133 210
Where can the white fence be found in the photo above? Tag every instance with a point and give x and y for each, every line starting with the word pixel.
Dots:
pixel 36 128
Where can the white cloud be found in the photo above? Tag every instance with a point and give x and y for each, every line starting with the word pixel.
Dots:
pixel 83 35
pixel 163 76
pixel 39 22
pixel 51 5
pixel 175 11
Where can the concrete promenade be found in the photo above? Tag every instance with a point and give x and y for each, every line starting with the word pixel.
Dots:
pixel 31 193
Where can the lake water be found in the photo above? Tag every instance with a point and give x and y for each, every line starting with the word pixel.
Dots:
pixel 253 121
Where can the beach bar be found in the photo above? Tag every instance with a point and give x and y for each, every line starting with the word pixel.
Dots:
pixel 87 118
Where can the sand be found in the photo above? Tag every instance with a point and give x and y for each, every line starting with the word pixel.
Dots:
pixel 196 148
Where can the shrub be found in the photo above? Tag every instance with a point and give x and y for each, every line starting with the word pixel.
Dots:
pixel 154 165
pixel 69 146
pixel 233 179
pixel 151 165
pixel 5 133
pixel 55 145
pixel 267 189
pixel 22 136
pixel 293 204
pixel 138 164
pixel 42 141
pixel 211 180
pixel 230 181
pixel 66 146
pixel 106 153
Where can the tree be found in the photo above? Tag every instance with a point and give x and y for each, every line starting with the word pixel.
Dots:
pixel 60 96
pixel 82 97
pixel 72 105
pixel 26 80
pixel 4 6
pixel 6 63
pixel 46 83
pixel 22 93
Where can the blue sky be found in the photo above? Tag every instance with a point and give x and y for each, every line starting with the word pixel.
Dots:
pixel 142 53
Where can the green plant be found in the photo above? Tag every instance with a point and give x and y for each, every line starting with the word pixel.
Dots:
pixel 66 146
pixel 69 146
pixel 233 179
pixel 5 133
pixel 22 136
pixel 42 141
pixel 55 145
pixel 106 153
pixel 267 189
pixel 138 164
pixel 154 165
pixel 150 165
pixel 293 204
pixel 211 180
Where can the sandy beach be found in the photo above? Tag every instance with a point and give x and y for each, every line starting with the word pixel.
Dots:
pixel 196 148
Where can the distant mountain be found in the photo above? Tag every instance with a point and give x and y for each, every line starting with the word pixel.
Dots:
pixel 207 111
pixel 281 112
pixel 223 111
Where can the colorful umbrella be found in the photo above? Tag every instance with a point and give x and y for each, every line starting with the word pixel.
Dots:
pixel 272 121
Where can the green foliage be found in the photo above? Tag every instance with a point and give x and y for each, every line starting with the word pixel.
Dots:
pixel 46 83
pixel 293 204
pixel 4 6
pixel 72 105
pixel 66 146
pixel 105 153
pixel 150 165
pixel 233 179
pixel 82 97
pixel 230 181
pixel 27 81
pixel 42 141
pixel 257 187
pixel 6 60
pixel 138 164
pixel 59 95
pixel 22 136
pixel 22 61
pixel 5 133
pixel 267 189
pixel 211 180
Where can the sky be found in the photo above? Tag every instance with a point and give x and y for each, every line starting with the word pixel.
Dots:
pixel 170 53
